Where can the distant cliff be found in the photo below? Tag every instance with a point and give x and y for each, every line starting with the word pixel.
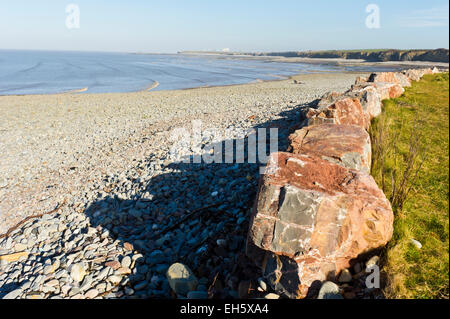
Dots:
pixel 438 55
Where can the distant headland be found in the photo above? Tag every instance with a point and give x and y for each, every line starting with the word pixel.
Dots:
pixel 372 55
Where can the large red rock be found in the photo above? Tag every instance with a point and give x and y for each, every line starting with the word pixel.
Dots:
pixel 369 98
pixel 311 218
pixel 384 89
pixel 389 90
pixel 367 95
pixel 345 145
pixel 346 111
pixel 390 77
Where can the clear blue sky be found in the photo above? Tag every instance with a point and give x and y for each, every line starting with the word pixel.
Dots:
pixel 241 25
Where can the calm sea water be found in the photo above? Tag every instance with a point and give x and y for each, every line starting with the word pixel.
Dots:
pixel 44 72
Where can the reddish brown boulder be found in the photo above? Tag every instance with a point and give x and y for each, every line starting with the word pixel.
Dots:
pixel 311 218
pixel 367 95
pixel 345 145
pixel 346 111
pixel 389 91
pixel 390 77
pixel 384 89
pixel 369 98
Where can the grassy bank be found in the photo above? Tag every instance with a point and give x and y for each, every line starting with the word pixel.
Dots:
pixel 411 160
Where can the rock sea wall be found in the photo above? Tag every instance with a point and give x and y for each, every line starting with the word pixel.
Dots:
pixel 318 208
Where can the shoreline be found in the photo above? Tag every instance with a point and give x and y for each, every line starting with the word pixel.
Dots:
pixel 75 91
pixel 155 84
pixel 151 87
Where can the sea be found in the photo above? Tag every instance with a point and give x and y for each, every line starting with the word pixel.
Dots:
pixel 48 72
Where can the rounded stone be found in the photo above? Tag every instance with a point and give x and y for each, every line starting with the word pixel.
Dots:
pixel 372 261
pixel 329 290
pixel 126 262
pixel 357 268
pixel 262 284
pixel 345 276
pixel 416 243
pixel 115 280
pixel 181 279
pixel 91 294
pixel 78 272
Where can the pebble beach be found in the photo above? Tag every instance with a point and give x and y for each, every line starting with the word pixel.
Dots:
pixel 92 205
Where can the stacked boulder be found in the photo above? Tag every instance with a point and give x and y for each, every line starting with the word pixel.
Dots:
pixel 318 209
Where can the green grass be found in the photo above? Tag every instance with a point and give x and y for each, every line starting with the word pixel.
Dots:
pixel 422 111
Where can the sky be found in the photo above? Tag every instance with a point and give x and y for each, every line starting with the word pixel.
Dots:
pixel 238 25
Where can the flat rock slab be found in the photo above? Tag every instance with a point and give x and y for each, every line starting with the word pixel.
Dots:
pixel 311 218
pixel 345 145
pixel 13 257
